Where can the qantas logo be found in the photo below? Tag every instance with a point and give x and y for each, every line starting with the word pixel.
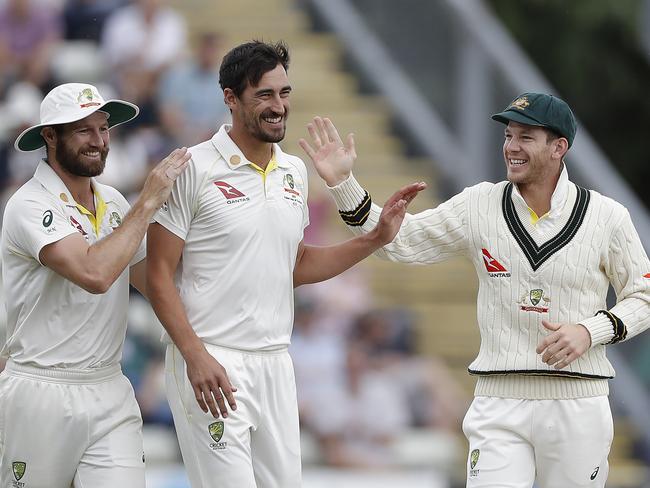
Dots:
pixel 232 194
pixel 228 190
pixel 77 226
pixel 494 267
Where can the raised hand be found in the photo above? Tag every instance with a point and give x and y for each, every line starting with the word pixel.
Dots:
pixel 211 385
pixel 394 211
pixel 332 159
pixel 159 183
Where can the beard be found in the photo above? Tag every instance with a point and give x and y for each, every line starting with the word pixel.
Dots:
pixel 254 127
pixel 73 162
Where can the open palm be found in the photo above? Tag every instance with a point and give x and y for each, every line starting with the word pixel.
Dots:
pixel 332 159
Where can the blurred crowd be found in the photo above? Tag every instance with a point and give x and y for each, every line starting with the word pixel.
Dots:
pixel 140 51
pixel 361 383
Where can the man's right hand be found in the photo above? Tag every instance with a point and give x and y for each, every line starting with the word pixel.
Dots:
pixel 210 384
pixel 332 159
pixel 161 179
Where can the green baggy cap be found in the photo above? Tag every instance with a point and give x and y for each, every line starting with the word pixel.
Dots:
pixel 541 110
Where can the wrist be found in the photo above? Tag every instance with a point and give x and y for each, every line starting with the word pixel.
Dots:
pixel 374 239
pixel 336 180
pixel 191 348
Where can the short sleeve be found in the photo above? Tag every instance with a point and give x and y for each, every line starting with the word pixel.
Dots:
pixel 305 193
pixel 32 222
pixel 177 213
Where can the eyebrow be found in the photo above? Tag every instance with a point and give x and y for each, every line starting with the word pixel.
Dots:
pixel 264 91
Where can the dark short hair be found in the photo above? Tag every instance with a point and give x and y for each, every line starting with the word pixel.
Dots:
pixel 551 134
pixel 248 62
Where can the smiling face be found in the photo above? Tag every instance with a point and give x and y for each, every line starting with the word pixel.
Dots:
pixel 261 111
pixel 81 147
pixel 532 156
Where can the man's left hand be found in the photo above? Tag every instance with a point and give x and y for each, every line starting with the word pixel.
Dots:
pixel 565 343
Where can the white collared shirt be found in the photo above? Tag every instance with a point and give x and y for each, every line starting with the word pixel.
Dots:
pixel 51 322
pixel 545 224
pixel 241 233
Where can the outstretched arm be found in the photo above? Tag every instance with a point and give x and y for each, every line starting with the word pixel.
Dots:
pixel 427 237
pixel 314 264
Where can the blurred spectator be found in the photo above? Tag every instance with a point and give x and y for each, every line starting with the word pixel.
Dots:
pixel 128 161
pixel 20 111
pixel 357 425
pixel 434 398
pixel 146 34
pixel 139 42
pixel 190 98
pixel 84 19
pixel 29 31
pixel 318 358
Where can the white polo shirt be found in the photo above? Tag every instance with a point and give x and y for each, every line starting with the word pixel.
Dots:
pixel 51 322
pixel 241 228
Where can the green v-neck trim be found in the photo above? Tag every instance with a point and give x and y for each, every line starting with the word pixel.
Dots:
pixel 538 255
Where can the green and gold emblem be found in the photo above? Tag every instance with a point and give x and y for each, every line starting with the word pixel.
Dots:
pixel 473 458
pixel 216 430
pixel 18 468
pixel 521 103
pixel 536 296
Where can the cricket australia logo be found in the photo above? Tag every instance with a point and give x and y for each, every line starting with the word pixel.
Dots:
pixel 87 98
pixel 473 460
pixel 290 192
pixel 115 220
pixel 18 468
pixel 530 301
pixel 215 429
pixel 521 103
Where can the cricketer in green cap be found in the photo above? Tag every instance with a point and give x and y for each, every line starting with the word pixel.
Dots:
pixel 541 110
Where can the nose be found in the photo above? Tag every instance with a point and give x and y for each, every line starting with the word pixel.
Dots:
pixel 98 138
pixel 512 144
pixel 278 105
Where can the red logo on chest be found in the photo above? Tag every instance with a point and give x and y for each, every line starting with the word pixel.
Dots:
pixel 491 264
pixel 228 190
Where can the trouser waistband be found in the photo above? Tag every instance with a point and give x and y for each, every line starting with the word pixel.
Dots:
pixel 64 375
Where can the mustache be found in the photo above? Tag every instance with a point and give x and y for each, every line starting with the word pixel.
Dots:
pixel 273 113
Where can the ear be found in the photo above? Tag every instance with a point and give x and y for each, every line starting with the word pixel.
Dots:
pixel 560 147
pixel 230 98
pixel 49 134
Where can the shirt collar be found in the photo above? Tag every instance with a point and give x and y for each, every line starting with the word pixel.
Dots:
pixel 559 194
pixel 47 177
pixel 233 155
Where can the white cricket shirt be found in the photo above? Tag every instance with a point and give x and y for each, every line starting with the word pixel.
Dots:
pixel 51 322
pixel 241 228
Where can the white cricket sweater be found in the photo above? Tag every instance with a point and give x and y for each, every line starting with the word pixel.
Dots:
pixel 525 277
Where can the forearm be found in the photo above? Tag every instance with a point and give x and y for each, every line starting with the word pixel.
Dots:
pixel 107 259
pixel 167 304
pixel 427 237
pixel 322 263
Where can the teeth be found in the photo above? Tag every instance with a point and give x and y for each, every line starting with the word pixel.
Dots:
pixel 517 162
pixel 91 154
pixel 273 120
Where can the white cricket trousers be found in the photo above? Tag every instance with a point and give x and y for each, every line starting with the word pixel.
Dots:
pixel 257 445
pixel 61 428
pixel 559 443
